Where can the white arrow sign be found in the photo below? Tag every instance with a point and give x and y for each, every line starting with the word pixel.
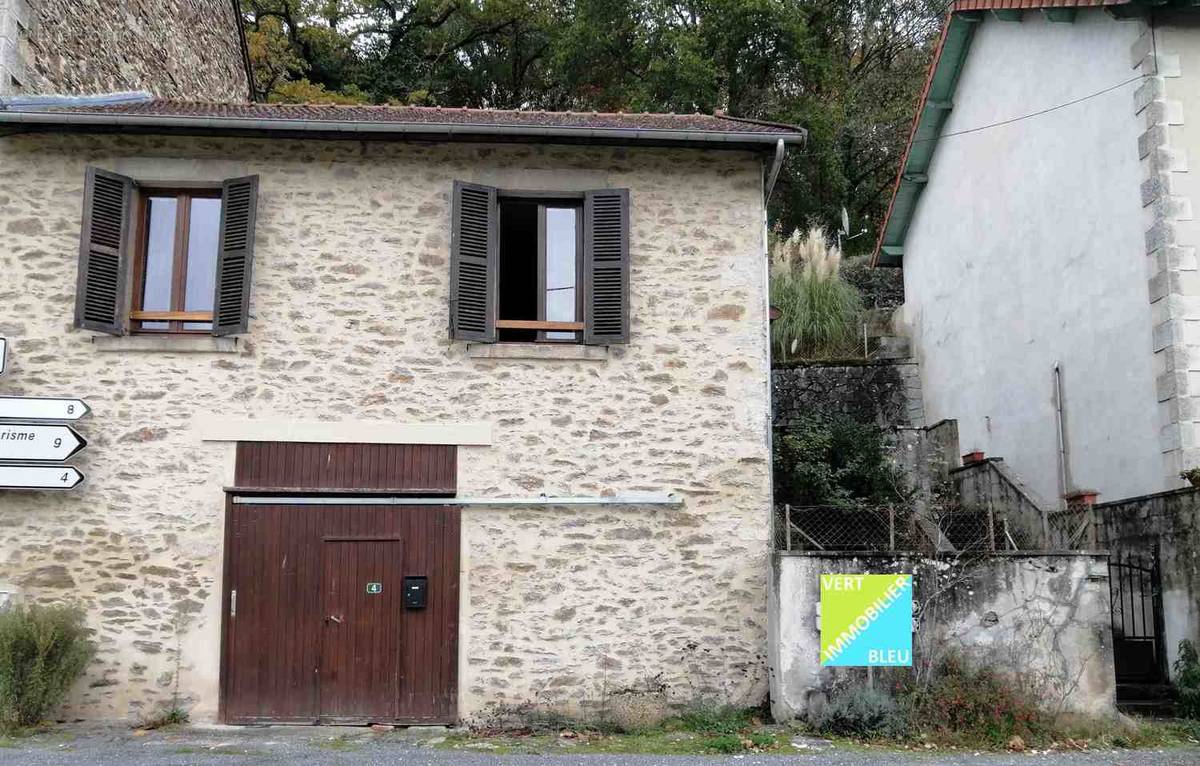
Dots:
pixel 20 441
pixel 35 408
pixel 39 477
pixel 3 355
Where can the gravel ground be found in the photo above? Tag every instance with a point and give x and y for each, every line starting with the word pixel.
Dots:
pixel 97 745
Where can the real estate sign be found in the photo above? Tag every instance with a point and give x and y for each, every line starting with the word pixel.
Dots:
pixel 866 620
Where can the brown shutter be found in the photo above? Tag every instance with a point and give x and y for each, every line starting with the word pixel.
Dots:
pixel 100 291
pixel 606 266
pixel 235 256
pixel 474 262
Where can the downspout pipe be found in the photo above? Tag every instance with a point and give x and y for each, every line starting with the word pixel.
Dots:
pixel 776 166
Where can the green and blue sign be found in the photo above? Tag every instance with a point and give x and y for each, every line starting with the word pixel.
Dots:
pixel 866 620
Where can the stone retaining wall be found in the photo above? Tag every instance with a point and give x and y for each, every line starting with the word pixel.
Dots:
pixel 883 392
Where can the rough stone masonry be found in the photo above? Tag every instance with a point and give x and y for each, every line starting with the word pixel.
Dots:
pixel 188 49
pixel 349 305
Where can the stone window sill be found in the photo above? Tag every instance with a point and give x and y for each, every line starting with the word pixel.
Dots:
pixel 544 351
pixel 167 344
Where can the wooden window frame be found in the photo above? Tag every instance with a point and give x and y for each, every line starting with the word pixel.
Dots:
pixel 544 199
pixel 176 318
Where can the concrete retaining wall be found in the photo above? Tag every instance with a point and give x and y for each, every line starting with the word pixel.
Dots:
pixel 1041 616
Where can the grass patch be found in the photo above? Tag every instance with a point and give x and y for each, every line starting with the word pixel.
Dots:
pixel 653 742
pixel 343 743
pixel 698 730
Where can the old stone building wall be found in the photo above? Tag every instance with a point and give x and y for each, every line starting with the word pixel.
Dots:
pixel 349 305
pixel 187 49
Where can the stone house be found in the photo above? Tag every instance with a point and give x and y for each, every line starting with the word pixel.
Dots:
pixel 193 49
pixel 397 414
pixel 1044 220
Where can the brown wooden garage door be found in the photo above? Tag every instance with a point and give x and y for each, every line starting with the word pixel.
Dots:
pixel 315 625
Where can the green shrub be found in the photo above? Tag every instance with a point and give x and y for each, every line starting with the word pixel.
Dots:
pixel 725 743
pixel 820 312
pixel 43 650
pixel 834 461
pixel 1187 680
pixel 861 712
pixel 714 719
pixel 977 705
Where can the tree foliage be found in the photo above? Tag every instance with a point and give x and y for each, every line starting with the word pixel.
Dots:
pixel 847 70
pixel 835 461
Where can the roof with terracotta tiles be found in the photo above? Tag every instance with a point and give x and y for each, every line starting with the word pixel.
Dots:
pixel 416 115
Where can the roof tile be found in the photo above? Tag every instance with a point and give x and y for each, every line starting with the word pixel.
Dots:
pixel 420 115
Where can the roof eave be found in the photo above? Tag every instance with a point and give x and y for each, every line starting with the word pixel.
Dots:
pixel 18 121
pixel 934 108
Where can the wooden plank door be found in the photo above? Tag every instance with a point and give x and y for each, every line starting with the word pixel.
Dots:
pixel 270 607
pixel 361 587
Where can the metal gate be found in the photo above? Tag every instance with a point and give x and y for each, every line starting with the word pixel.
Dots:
pixel 1135 586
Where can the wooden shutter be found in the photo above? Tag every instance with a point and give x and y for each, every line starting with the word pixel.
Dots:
pixel 235 256
pixel 100 292
pixel 606 266
pixel 474 262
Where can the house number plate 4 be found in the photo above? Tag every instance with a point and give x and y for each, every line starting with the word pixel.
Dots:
pixel 374 588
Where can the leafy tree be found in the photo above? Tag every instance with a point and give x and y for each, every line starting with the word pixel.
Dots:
pixel 836 461
pixel 849 71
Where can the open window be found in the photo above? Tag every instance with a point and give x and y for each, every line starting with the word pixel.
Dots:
pixel 158 260
pixel 539 266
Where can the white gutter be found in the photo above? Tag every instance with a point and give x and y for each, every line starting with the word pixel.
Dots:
pixel 632 498
pixel 362 128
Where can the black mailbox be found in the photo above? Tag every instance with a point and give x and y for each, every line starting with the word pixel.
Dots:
pixel 415 592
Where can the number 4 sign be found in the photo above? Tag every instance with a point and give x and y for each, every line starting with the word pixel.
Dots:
pixel 40 476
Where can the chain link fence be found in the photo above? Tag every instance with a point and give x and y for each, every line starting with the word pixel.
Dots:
pixel 894 528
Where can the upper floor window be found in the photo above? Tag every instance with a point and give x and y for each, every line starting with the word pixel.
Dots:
pixel 541 246
pixel 539 266
pixel 165 260
pixel 175 261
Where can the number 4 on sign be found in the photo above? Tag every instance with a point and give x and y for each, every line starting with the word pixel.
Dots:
pixel 40 477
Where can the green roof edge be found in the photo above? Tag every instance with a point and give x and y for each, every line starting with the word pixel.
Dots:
pixel 935 109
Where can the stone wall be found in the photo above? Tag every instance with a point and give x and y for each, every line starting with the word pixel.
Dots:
pixel 185 49
pixel 886 393
pixel 349 306
pixel 1169 523
pixel 1043 617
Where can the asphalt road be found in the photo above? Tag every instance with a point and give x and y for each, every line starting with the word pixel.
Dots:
pixel 220 746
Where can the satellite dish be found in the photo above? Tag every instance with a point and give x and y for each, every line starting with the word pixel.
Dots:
pixel 845 221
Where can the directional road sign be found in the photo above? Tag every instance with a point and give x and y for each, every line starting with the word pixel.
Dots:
pixel 38 442
pixel 39 477
pixel 36 408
